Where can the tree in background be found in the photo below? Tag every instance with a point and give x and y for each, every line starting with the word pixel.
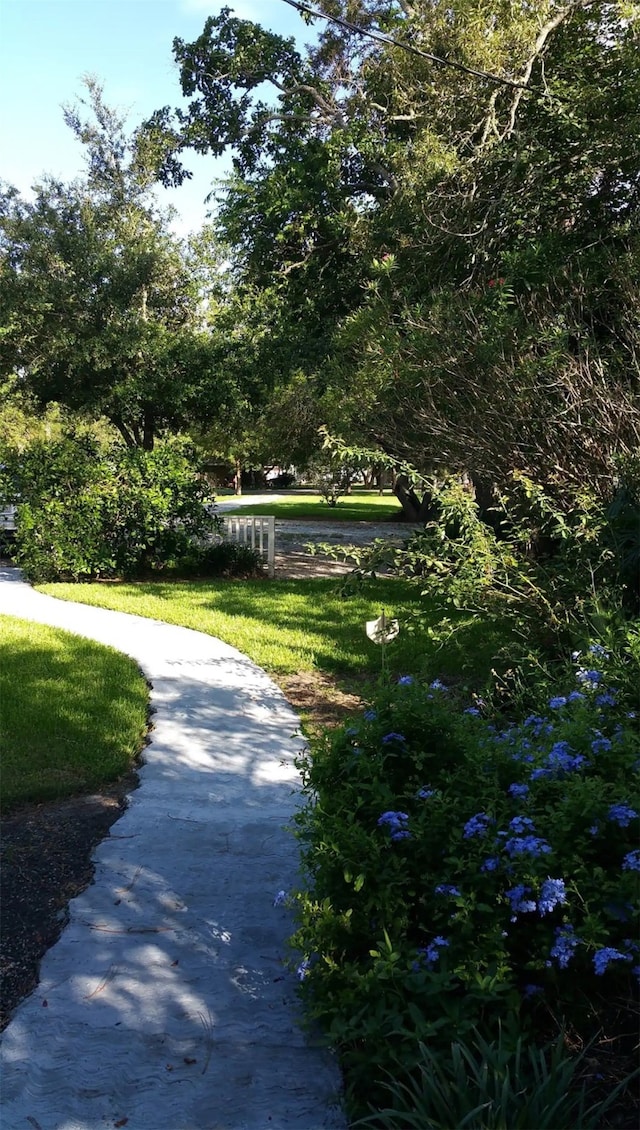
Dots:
pixel 101 306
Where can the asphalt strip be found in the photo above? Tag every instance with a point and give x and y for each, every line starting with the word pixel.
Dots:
pixel 167 1002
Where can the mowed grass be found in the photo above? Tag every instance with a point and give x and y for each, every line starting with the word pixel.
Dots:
pixel 73 714
pixel 365 506
pixel 290 627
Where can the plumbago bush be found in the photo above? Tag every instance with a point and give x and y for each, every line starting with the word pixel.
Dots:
pixel 467 874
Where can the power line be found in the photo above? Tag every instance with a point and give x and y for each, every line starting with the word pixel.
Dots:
pixel 380 37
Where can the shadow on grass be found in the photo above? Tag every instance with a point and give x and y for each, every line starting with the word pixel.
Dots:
pixel 296 625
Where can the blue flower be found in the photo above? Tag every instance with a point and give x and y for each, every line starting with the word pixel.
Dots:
pixel 631 861
pixel 518 791
pixel 575 696
pixel 436 685
pixel 520 824
pixel 351 731
pixel 552 894
pixel 477 825
pixel 564 946
pixel 532 991
pixel 447 889
pixel 473 711
pixel 622 815
pixel 527 845
pixel 405 680
pixel 431 953
pixel 534 720
pixel 490 864
pixel 369 715
pixel 600 744
pixel 519 903
pixel 392 737
pixel 598 650
pixel 397 824
pixel 604 956
pixel 303 969
pixel 607 698
pixel 393 818
pixel 559 760
pixel 557 702
pixel 424 794
pixel 280 898
pixel 589 679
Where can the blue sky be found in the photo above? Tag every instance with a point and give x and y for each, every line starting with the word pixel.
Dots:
pixel 46 46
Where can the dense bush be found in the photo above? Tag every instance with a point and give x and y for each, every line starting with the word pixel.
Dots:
pixel 465 871
pixel 222 559
pixel 88 512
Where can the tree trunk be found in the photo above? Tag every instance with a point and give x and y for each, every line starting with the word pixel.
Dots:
pixel 486 501
pixel 124 432
pixel 414 509
pixel 237 478
pixel 147 431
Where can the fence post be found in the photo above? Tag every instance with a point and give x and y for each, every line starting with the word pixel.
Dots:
pixel 271 545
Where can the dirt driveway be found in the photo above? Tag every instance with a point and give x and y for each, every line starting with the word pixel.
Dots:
pixel 292 537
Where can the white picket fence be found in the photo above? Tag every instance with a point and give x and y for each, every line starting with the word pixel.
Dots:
pixel 255 530
pixel 7 518
pixel 246 529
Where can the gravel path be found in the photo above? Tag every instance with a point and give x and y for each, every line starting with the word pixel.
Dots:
pixel 166 1003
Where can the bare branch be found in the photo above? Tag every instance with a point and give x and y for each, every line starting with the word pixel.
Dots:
pixel 538 48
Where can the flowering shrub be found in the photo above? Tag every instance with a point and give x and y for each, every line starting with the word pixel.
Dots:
pixel 462 870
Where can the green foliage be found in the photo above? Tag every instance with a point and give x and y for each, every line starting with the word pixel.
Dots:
pixel 552 566
pixel 502 1085
pixel 222 559
pixel 457 276
pixel 74 713
pixel 100 306
pixel 460 870
pixel 83 512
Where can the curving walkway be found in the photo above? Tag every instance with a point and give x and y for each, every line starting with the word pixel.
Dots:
pixel 166 1004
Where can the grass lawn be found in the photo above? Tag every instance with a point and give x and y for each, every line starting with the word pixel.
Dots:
pixel 290 627
pixel 73 713
pixel 363 506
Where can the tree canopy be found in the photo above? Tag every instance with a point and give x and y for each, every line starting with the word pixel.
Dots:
pixel 101 306
pixel 442 204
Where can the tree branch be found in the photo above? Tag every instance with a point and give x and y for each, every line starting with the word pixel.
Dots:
pixel 388 41
pixel 538 48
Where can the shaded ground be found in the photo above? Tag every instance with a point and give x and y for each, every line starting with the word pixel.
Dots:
pixel 45 860
pixel 46 850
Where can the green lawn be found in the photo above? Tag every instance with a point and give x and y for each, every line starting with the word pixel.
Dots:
pixel 73 714
pixel 364 506
pixel 288 627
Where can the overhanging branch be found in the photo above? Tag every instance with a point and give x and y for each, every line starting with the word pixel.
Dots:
pixel 388 41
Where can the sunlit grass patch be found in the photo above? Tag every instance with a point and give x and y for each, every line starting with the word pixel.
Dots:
pixel 360 507
pixel 295 626
pixel 73 713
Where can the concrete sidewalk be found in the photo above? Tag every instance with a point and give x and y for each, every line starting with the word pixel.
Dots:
pixel 166 1003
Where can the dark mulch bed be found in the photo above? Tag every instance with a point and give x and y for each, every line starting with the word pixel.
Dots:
pixel 45 860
